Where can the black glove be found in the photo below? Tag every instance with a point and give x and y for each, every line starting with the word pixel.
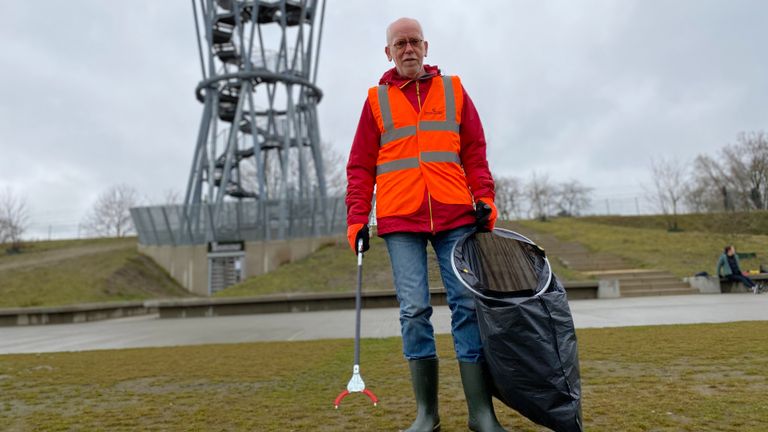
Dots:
pixel 365 236
pixel 482 216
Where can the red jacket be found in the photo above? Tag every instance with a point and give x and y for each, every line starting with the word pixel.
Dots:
pixel 432 215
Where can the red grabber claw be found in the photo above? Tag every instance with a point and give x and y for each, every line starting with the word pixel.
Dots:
pixel 341 396
pixel 356 385
pixel 372 397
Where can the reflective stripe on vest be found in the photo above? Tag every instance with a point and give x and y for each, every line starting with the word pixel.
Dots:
pixel 407 163
pixel 391 133
pixel 397 165
pixel 440 156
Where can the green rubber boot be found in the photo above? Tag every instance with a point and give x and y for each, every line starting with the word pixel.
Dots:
pixel 424 380
pixel 482 417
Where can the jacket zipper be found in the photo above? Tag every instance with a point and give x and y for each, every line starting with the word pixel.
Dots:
pixel 429 196
pixel 418 96
pixel 431 221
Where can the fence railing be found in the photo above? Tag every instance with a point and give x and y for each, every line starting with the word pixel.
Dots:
pixel 239 221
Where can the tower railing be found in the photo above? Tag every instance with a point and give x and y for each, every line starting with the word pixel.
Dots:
pixel 240 221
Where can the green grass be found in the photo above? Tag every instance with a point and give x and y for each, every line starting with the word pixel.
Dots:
pixel 333 268
pixel 81 271
pixel 730 224
pixel 46 275
pixel 33 278
pixel 683 253
pixel 33 249
pixel 708 377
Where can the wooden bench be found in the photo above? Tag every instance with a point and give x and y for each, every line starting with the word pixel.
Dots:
pixel 746 255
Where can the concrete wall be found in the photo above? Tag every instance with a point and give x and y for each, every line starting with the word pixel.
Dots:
pixel 705 284
pixel 73 313
pixel 263 257
pixel 608 288
pixel 189 264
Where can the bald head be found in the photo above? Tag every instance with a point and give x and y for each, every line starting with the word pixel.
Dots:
pixel 406 47
pixel 400 24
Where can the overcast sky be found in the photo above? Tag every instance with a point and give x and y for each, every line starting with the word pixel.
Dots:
pixel 96 93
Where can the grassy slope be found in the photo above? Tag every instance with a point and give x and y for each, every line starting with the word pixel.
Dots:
pixel 120 273
pixel 661 378
pixel 683 253
pixel 331 269
pixel 334 269
pixel 80 271
pixel 729 224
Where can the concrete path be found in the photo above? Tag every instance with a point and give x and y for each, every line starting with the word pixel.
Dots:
pixel 150 331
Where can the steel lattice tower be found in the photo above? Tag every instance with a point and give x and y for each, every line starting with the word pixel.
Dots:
pixel 259 138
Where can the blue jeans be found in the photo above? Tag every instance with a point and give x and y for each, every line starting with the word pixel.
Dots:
pixel 408 253
pixel 741 278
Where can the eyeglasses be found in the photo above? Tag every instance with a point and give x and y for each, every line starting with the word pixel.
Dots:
pixel 401 44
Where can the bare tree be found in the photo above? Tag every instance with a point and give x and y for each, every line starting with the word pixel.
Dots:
pixel 509 194
pixel 709 189
pixel 14 216
pixel 572 198
pixel 110 216
pixel 335 165
pixel 172 197
pixel 698 198
pixel 747 165
pixel 737 179
pixel 540 194
pixel 669 186
pixel 169 197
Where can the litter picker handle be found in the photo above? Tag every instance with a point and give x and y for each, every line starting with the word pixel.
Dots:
pixel 358 299
pixel 356 383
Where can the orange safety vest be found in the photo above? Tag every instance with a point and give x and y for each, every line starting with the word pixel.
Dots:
pixel 419 150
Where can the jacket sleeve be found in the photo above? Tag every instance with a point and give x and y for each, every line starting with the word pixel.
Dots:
pixel 473 151
pixel 720 263
pixel 361 168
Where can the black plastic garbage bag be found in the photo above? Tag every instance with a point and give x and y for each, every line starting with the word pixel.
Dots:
pixel 529 340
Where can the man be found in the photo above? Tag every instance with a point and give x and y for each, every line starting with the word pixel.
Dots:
pixel 420 142
pixel 728 267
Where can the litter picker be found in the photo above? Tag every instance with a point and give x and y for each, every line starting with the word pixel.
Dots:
pixel 356 383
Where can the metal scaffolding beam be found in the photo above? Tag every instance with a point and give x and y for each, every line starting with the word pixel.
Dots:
pixel 258 139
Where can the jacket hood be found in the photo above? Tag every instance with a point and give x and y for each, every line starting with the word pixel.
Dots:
pixel 391 77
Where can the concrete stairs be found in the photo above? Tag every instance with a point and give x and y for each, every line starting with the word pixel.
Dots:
pixel 641 282
pixel 633 282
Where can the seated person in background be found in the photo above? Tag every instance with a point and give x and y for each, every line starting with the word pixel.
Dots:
pixel 728 267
